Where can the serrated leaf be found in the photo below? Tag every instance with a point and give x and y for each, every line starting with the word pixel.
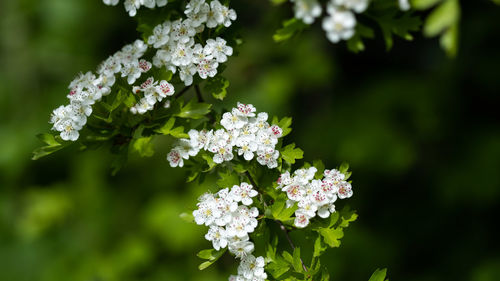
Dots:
pixel 289 153
pixel 379 275
pixel 331 236
pixel 217 87
pixel 319 247
pixel 290 28
pixel 53 144
pixel 347 216
pixel 392 23
pixel 228 179
pixel 210 162
pixel 288 257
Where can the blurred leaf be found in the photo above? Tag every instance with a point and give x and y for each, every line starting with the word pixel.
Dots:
pixel 290 28
pixel 144 146
pixel 392 23
pixel 442 18
pixel 187 217
pixel 355 43
pixel 379 275
pixel 53 144
pixel 211 255
pixel 424 4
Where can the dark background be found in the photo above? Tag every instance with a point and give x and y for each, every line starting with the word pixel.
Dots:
pixel 420 131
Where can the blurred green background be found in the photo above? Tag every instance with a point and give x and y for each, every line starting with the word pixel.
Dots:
pixel 420 131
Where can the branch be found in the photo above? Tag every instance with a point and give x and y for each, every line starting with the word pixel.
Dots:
pixel 198 93
pixel 281 225
pixel 182 91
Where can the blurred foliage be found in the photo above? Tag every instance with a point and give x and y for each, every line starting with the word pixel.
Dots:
pixel 420 131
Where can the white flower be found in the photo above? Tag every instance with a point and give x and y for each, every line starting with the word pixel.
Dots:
pixel 131 6
pixel 307 10
pixel 218 49
pixel 214 16
pixel 218 237
pixel 345 190
pixel 175 158
pixel 182 55
pixel 243 193
pixel 404 5
pixel 207 68
pixel 268 157
pixel 357 6
pixel 160 35
pixel 339 25
pixel 241 249
pixel 197 11
pixel 232 121
pixel 228 15
pixel 161 3
pixel 301 219
pixel 252 267
pixel 111 2
pixel 186 74
pixel 182 31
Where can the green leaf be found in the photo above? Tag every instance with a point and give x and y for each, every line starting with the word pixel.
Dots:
pixel 297 263
pixel 289 153
pixel 217 87
pixel 194 110
pixel 48 139
pixel 288 257
pixel 144 146
pixel 325 275
pixel 53 144
pixel 187 217
pixel 319 247
pixel 211 255
pixel 279 211
pixel 449 40
pixel 178 132
pixel 228 179
pixel 167 127
pixel 210 162
pixel 321 168
pixel 424 4
pixel 290 28
pixel 331 236
pixel 355 43
pixel 347 216
pixel 379 275
pixel 391 23
pixel 284 124
pixel 442 18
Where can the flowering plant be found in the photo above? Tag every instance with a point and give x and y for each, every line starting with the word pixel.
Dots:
pixel 142 92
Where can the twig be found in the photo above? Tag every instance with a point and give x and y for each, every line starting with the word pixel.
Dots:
pixel 198 93
pixel 281 225
pixel 182 91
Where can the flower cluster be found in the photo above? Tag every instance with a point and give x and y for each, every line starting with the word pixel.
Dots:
pixel 251 268
pixel 313 196
pixel 131 6
pixel 340 22
pixel 153 92
pixel 176 44
pixel 230 220
pixel 244 132
pixel 88 88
